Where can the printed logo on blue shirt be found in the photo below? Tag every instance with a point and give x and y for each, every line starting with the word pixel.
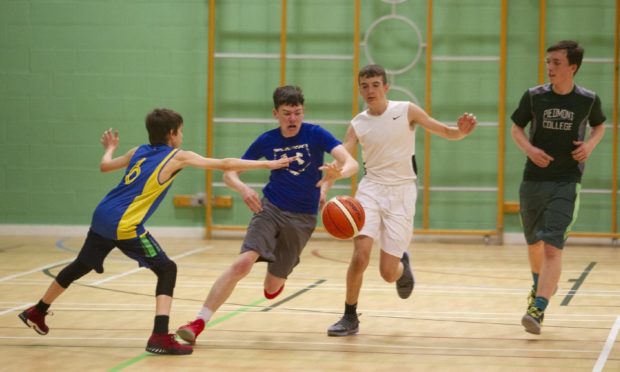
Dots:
pixel 303 157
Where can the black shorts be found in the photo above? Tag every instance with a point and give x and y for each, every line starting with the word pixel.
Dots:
pixel 278 237
pixel 144 249
pixel 548 210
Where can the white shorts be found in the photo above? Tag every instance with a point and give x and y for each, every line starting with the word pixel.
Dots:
pixel 389 214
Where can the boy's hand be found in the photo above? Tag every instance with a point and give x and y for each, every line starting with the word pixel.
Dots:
pixel 109 139
pixel 539 157
pixel 466 123
pixel 582 151
pixel 331 172
pixel 252 199
pixel 283 162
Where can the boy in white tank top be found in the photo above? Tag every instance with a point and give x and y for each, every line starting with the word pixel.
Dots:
pixel 388 190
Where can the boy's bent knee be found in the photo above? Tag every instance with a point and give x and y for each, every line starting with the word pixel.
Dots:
pixel 166 278
pixel 242 266
pixel 72 272
pixel 388 275
pixel 360 260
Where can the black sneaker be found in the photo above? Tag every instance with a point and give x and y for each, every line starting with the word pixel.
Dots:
pixel 404 285
pixel 346 326
pixel 532 320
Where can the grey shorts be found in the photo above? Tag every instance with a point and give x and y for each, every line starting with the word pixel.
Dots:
pixel 278 237
pixel 548 210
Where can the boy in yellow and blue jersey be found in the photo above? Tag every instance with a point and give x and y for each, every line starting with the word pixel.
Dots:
pixel 118 220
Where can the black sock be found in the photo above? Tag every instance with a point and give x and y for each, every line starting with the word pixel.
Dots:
pixel 350 309
pixel 42 306
pixel 161 324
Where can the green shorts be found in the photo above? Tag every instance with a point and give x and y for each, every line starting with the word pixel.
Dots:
pixel 548 210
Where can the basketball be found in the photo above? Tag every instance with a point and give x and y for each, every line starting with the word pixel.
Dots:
pixel 343 217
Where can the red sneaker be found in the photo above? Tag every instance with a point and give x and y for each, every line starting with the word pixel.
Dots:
pixel 166 344
pixel 191 330
pixel 271 296
pixel 34 319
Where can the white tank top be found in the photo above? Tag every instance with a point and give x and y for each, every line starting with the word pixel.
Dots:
pixel 388 144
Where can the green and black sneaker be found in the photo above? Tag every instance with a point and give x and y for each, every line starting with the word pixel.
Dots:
pixel 532 320
pixel 531 297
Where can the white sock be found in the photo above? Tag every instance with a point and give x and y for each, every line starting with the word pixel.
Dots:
pixel 205 314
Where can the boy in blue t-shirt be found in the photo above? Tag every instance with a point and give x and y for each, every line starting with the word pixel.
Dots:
pixel 285 217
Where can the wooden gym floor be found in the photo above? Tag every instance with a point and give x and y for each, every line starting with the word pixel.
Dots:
pixel 464 314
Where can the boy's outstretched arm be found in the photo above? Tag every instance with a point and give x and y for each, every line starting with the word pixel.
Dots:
pixel 191 159
pixel 465 123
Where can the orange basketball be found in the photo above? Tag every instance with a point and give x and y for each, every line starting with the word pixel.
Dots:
pixel 343 217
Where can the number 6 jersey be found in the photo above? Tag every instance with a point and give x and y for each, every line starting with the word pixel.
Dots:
pixel 124 210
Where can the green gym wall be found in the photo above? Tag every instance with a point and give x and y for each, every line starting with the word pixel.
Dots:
pixel 69 69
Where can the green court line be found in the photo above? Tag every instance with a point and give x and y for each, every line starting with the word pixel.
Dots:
pixel 234 313
pixel 211 323
pixel 129 362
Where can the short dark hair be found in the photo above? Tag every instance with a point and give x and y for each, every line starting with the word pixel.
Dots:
pixel 574 52
pixel 160 122
pixel 288 95
pixel 369 71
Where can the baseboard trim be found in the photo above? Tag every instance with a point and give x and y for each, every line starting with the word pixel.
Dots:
pixel 199 233
pixel 81 230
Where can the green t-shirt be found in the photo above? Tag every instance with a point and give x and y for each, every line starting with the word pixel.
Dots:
pixel 556 121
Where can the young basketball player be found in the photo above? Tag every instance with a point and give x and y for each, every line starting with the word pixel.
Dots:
pixel 118 220
pixel 386 133
pixel 285 217
pixel 556 150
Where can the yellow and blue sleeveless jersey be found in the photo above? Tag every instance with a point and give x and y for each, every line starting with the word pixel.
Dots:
pixel 124 210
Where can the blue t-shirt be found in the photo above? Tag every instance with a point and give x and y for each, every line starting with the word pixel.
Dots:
pixel 294 188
